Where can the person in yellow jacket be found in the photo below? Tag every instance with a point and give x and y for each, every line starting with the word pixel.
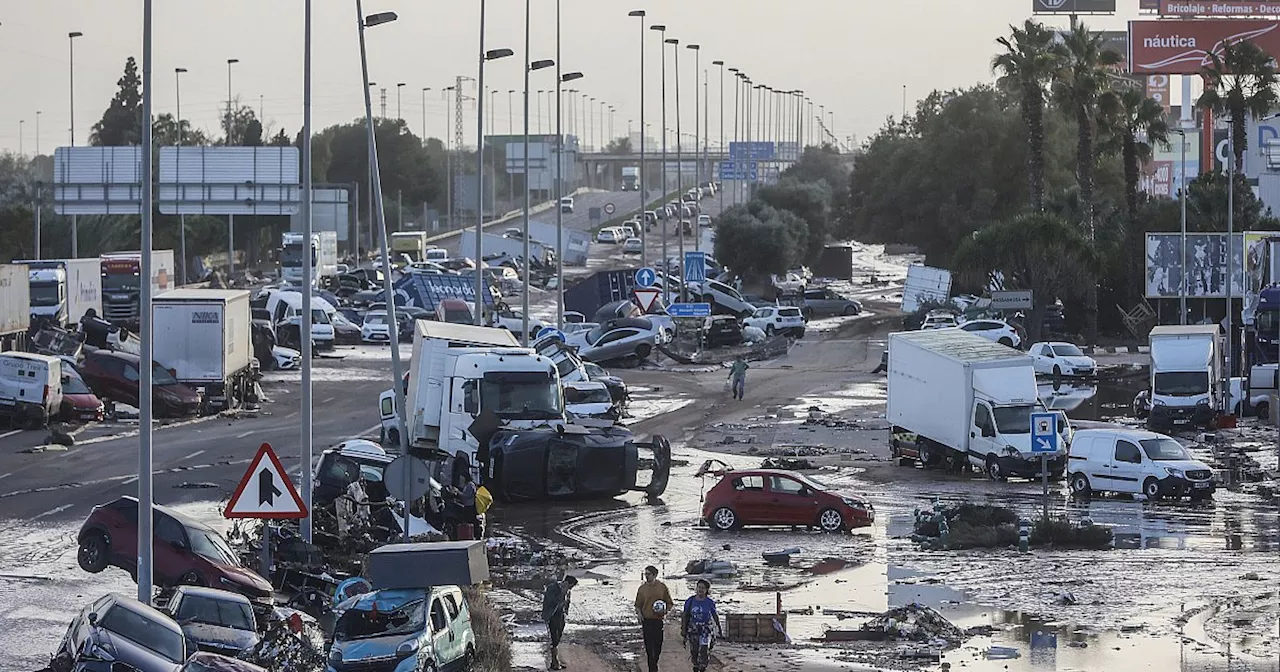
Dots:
pixel 653 603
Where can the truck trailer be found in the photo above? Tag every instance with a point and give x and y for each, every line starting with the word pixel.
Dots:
pixel 205 337
pixel 324 256
pixel 62 290
pixel 956 399
pixel 499 248
pixel 15 306
pixel 576 244
pixel 412 244
pixel 122 283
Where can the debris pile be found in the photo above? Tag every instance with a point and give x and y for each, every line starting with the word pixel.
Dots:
pixel 915 622
pixel 292 644
pixel 980 526
pixel 787 463
pixel 817 416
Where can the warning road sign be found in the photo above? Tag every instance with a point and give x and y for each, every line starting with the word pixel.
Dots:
pixel 646 297
pixel 265 491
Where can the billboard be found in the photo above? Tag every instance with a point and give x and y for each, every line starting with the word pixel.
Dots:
pixel 229 181
pixel 1073 6
pixel 1183 47
pixel 1157 179
pixel 1158 90
pixel 1206 262
pixel 1217 8
pixel 1149 4
pixel 97 180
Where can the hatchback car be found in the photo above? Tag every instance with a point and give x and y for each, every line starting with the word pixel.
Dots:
pixel 993 330
pixel 185 551
pixel 777 320
pixel 79 404
pixel 609 235
pixel 375 328
pixel 117 629
pixel 775 497
pixel 403 631
pixel 217 621
pixel 615 339
pixel 719 330
pixel 939 320
pixel 704 221
pixel 114 376
pixel 617 387
pixel 824 301
pixel 1062 359
pixel 632 246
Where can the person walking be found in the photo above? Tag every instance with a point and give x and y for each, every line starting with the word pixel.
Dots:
pixel 697 622
pixel 738 377
pixel 653 603
pixel 555 607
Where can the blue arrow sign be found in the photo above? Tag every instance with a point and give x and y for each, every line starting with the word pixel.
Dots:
pixel 695 267
pixel 646 277
pixel 689 310
pixel 549 331
pixel 1044 433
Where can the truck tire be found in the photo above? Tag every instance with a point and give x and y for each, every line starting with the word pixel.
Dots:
pixel 993 469
pixel 1080 484
pixel 925 453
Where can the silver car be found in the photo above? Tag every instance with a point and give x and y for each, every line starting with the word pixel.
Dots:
pixel 823 301
pixel 615 339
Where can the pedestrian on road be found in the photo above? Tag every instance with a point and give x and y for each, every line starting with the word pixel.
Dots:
pixel 653 603
pixel 555 607
pixel 738 377
pixel 697 622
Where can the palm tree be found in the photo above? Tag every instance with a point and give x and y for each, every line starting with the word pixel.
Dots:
pixel 1135 124
pixel 1080 85
pixel 1239 81
pixel 1026 67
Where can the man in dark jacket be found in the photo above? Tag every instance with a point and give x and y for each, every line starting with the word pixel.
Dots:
pixel 555 606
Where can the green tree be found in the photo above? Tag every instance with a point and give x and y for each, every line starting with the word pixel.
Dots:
pixel 618 146
pixel 167 131
pixel 1080 87
pixel 1038 251
pixel 756 240
pixel 1026 68
pixel 121 123
pixel 245 128
pixel 810 201
pixel 1135 124
pixel 406 164
pixel 1240 81
pixel 281 139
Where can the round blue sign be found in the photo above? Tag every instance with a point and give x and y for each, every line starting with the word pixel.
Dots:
pixel 646 277
pixel 549 331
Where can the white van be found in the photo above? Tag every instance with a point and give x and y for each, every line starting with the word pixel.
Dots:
pixel 30 387
pixel 1135 461
pixel 437 254
pixel 286 307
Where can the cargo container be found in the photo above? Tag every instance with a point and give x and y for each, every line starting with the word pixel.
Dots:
pixel 15 306
pixel 204 337
pixel 601 288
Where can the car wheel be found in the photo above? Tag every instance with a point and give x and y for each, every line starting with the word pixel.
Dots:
pixel 92 555
pixel 643 350
pixel 1057 371
pixel 191 578
pixel 724 519
pixel 468 661
pixel 850 310
pixel 1080 484
pixel 1263 410
pixel 1005 340
pixel 993 469
pixel 768 331
pixel 830 520
pixel 393 437
pixel 1151 488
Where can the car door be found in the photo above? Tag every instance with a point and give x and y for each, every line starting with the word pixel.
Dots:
pixel 982 434
pixel 750 500
pixel 615 344
pixel 122 530
pixel 791 502
pixel 459 622
pixel 170 549
pixel 1126 467
pixel 443 637
pixel 129 384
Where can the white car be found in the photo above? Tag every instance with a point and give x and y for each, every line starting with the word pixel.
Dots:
pixel 1062 359
pixel 1136 462
pixel 632 246
pixel 939 320
pixel 609 235
pixel 777 320
pixel 790 282
pixel 718 293
pixel 590 401
pixel 704 220
pixel 566 204
pixel 993 330
pixel 375 328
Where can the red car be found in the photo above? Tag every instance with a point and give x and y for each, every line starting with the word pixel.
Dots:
pixel 184 551
pixel 776 497
pixel 78 402
pixel 114 376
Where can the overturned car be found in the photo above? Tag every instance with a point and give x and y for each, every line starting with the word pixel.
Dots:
pixel 573 463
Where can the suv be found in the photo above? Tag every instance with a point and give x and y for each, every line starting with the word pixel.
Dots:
pixel 114 376
pixel 402 630
pixel 994 330
pixel 115 632
pixel 823 301
pixel 723 298
pixel 778 320
pixel 186 552
pixel 721 330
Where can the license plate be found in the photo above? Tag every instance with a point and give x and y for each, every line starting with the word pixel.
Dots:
pixel 1203 484
pixel 1180 422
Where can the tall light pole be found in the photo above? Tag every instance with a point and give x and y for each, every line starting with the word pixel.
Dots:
pixel 397 371
pixel 684 294
pixel 485 56
pixel 230 62
pixel 182 219
pixel 737 89
pixel 38 133
pixel 529 67
pixel 425 89
pixel 697 67
pixel 231 219
pixel 662 30
pixel 146 346
pixel 22 130
pixel 308 273
pixel 71 45
pixel 720 64
pixel 644 195
pixel 399 87
pixel 1182 197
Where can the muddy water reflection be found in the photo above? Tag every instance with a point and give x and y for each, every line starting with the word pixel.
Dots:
pixel 1096 400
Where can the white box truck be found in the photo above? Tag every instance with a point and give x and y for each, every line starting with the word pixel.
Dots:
pixel 957 399
pixel 204 336
pixel 412 244
pixel 576 244
pixel 324 256
pixel 15 306
pixel 63 289
pixel 631 178
pixel 1187 364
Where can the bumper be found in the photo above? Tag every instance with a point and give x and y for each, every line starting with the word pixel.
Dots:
pixel 1017 466
pixel 375 338
pixel 1179 416
pixel 855 518
pixel 1173 486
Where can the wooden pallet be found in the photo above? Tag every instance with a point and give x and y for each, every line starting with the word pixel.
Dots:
pixel 754 628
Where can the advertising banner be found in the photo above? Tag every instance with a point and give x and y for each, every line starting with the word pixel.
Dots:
pixel 1073 6
pixel 1183 47
pixel 1158 90
pixel 1239 8
pixel 1148 4
pixel 1157 179
pixel 1206 263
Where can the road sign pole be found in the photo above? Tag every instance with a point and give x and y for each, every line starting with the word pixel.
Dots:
pixel 1044 480
pixel 265 551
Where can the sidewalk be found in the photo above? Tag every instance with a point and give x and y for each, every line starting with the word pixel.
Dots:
pixel 580 658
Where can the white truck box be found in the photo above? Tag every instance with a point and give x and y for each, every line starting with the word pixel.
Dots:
pixel 576 244
pixel 1187 363
pixel 204 336
pixel 496 245
pixel 15 299
pixel 431 344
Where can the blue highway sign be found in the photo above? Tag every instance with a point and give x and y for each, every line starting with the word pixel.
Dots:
pixel 549 331
pixel 739 170
pixel 689 310
pixel 1044 433
pixel 646 277
pixel 695 267
pixel 755 151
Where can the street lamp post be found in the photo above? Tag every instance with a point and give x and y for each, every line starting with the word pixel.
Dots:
pixel 485 56
pixel 376 197
pixel 182 219
pixel 529 67
pixel 644 195
pixel 684 294
pixel 720 64
pixel 1182 197
pixel 662 30
pixel 145 408
pixel 737 88
pixel 399 87
pixel 697 67
pixel 71 42
pixel 308 272
pixel 231 219
pixel 425 89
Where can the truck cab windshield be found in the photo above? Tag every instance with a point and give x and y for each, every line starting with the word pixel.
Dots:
pixel 521 395
pixel 1182 383
pixel 1014 419
pixel 45 294
pixel 291 255
pixel 121 282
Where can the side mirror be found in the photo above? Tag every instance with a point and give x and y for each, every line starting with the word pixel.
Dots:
pixel 93 618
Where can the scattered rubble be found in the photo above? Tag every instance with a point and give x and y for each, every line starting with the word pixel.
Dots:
pixel 915 622
pixel 817 416
pixel 787 463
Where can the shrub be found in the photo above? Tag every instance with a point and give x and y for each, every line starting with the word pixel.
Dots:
pixel 493 642
pixel 1062 533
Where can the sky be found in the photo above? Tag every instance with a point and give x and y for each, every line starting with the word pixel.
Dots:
pixel 852 56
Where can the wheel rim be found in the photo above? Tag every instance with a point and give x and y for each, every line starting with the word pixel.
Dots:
pixel 993 470
pixel 724 519
pixel 831 520
pixel 190 579
pixel 91 552
pixel 1153 489
pixel 1079 484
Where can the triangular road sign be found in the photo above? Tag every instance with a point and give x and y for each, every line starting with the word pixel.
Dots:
pixel 265 491
pixel 646 296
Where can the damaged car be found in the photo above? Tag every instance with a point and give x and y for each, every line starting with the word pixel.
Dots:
pixel 403 630
pixel 117 633
pixel 571 462
pixel 590 404
pixel 766 497
pixel 217 621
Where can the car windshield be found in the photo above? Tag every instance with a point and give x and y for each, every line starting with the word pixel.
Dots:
pixel 291 255
pixel 161 376
pixel 1067 350
pixel 1164 449
pixel 1013 419
pixel 319 316
pixel 457 315
pixel 1182 383
pixel 74 385
pixel 375 318
pixel 593 370
pixel 212 547
pixel 120 282
pixel 593 395
pixel 532 397
pixel 44 294
pixel 201 609
pixel 408 619
pixel 150 634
